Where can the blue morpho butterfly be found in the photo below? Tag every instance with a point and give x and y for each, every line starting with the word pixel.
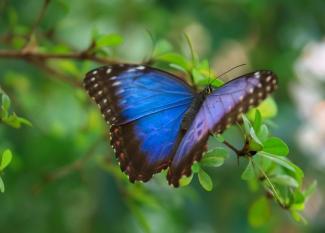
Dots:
pixel 158 121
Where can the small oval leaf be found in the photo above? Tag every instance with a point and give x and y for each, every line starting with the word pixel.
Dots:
pixel 205 180
pixel 185 180
pixel 249 173
pixel 2 185
pixel 195 167
pixel 5 159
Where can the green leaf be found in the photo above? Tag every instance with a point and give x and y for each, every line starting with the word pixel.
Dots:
pixel 109 40
pixel 259 213
pixel 255 144
pixel 276 146
pixel 247 124
pixel 258 121
pixel 219 137
pixel 285 180
pixel 196 167
pixel 264 163
pixel 217 152
pixel 249 173
pixel 185 180
pixel 216 82
pixel 267 108
pixel 284 162
pixel 5 101
pixel 15 121
pixel 199 78
pixel 5 159
pixel 2 185
pixel 203 75
pixel 205 180
pixel 310 190
pixel 299 200
pixel 263 133
pixel 212 161
pixel 298 217
pixel 24 121
pixel 174 58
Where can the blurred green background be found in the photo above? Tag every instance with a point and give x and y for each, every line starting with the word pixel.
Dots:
pixel 64 178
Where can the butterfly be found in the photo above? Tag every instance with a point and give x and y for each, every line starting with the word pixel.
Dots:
pixel 158 121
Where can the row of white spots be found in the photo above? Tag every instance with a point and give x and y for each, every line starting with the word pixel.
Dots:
pixel 251 101
pixel 257 74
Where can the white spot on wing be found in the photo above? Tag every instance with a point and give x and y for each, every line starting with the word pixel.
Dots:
pixel 116 83
pixel 131 70
pixel 257 74
pixel 109 70
pixel 95 72
pixel 140 67
pixel 120 91
pixel 268 78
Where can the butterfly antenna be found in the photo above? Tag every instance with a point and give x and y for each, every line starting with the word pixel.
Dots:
pixel 231 69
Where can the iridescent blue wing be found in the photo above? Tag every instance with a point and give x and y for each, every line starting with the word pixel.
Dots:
pixel 144 107
pixel 218 111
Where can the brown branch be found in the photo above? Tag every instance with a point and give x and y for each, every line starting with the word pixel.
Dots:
pixel 230 146
pixel 28 55
pixel 40 58
pixel 38 20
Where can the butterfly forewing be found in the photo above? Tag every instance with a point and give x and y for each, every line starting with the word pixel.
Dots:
pixel 144 107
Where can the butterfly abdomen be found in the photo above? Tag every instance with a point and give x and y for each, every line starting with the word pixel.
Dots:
pixel 192 110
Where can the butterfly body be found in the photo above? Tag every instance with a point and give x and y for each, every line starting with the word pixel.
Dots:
pixel 158 121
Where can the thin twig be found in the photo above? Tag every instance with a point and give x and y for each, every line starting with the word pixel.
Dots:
pixel 274 191
pixel 38 20
pixel 231 147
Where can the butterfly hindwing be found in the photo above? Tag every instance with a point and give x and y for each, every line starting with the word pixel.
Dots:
pixel 220 109
pixel 144 107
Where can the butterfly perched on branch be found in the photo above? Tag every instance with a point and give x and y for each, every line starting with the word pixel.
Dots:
pixel 158 121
